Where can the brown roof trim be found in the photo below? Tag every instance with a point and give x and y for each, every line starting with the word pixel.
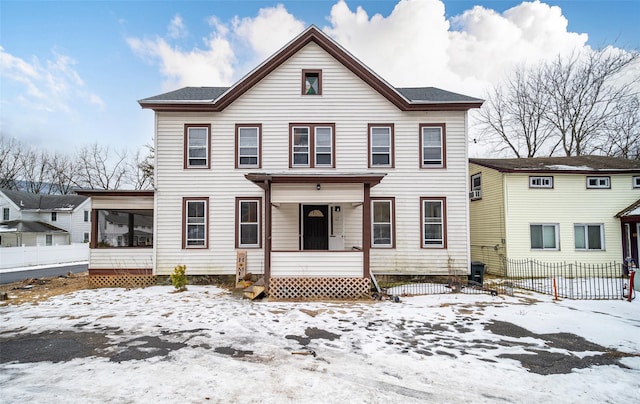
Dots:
pixel 311 34
pixel 260 178
pixel 101 192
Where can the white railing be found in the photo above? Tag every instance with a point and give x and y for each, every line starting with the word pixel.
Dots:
pixel 19 257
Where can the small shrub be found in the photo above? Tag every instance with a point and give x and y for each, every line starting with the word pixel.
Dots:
pixel 179 278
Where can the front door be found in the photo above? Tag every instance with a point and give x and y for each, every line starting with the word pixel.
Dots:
pixel 315 224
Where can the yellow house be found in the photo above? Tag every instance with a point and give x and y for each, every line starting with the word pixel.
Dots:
pixel 557 209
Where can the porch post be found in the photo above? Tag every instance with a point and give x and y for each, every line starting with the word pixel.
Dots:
pixel 366 230
pixel 267 233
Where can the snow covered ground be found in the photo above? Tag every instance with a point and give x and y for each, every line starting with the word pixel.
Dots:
pixel 207 345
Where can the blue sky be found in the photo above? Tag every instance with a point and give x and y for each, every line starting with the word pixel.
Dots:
pixel 71 72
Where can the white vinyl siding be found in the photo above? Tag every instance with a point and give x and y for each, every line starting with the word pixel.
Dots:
pixel 276 102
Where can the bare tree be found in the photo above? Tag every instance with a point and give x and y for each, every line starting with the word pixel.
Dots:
pixel 623 132
pixel 100 168
pixel 579 105
pixel 140 169
pixel 34 171
pixel 512 117
pixel 585 96
pixel 10 151
pixel 64 173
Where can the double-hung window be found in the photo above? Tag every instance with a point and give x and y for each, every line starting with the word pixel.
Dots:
pixel 382 232
pixel 312 145
pixel 433 214
pixel 197 140
pixel 380 145
pixel 544 237
pixel 5 213
pixel 54 216
pixel 589 237
pixel 432 146
pixel 196 223
pixel 248 233
pixel 248 139
pixel 86 216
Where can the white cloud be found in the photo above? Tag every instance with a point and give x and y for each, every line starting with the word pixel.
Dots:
pixel 50 86
pixel 269 31
pixel 177 28
pixel 210 66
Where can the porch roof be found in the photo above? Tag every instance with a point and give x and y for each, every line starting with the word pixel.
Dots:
pixel 631 210
pixel 261 179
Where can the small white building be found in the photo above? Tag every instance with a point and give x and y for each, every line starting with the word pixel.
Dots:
pixel 314 166
pixel 43 220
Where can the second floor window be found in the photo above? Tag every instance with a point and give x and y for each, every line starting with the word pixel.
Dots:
pixel 432 146
pixel 541 182
pixel 248 146
pixel 54 216
pixel 5 213
pixel 381 145
pixel 312 145
pixel 197 139
pixel 599 182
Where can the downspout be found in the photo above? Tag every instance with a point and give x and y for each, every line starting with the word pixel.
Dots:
pixel 267 235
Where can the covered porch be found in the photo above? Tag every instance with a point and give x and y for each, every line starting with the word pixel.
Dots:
pixel 630 221
pixel 317 232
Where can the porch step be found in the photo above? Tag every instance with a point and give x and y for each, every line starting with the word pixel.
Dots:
pixel 254 291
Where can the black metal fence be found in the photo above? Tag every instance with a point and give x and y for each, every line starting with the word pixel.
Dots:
pixel 575 280
pixel 568 280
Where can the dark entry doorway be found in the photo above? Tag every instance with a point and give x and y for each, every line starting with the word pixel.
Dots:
pixel 316 227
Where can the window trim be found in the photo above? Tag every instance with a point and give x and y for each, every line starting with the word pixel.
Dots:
pixel 186 164
pixel 585 226
pixel 532 178
pixel 238 240
pixel 237 145
pixel 635 181
pixel 304 81
pixel 473 191
pixel 597 177
pixel 443 145
pixel 443 201
pixel 312 143
pixel 185 204
pixel 392 202
pixel 543 248
pixel 391 128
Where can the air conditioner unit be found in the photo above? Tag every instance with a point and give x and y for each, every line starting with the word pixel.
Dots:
pixel 475 194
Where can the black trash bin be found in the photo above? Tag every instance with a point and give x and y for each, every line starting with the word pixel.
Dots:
pixel 477 272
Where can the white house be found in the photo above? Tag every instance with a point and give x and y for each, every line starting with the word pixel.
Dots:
pixel 33 219
pixel 557 209
pixel 314 166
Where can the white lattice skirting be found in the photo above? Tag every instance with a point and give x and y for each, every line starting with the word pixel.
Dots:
pixel 319 288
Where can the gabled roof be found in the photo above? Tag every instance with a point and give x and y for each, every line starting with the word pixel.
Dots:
pixel 30 201
pixel 578 165
pixel 28 226
pixel 218 98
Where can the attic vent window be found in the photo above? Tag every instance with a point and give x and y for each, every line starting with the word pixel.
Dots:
pixel 311 82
